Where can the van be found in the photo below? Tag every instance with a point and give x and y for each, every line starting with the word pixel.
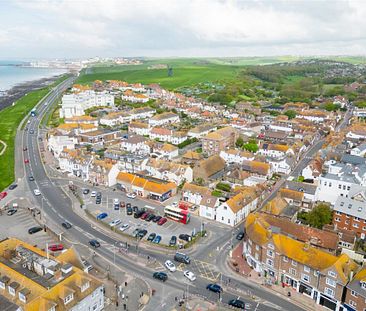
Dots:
pixel 180 257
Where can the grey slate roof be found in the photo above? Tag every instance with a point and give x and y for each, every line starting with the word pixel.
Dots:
pixel 301 186
pixel 350 207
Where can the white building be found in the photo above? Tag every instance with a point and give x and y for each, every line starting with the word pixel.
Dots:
pixel 193 194
pixel 275 150
pixel 164 118
pixel 208 207
pixel 75 104
pixel 359 150
pixel 236 156
pixel 135 144
pixel 56 143
pixel 139 128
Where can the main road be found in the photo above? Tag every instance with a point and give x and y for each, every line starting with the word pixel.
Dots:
pixel 57 207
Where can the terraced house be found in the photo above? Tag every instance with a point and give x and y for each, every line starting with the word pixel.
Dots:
pixel 298 259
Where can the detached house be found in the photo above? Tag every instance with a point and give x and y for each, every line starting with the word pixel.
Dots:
pixel 58 142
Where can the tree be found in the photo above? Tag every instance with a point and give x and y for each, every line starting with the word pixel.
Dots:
pixel 251 146
pixel 239 142
pixel 291 114
pixel 318 217
pixel 331 107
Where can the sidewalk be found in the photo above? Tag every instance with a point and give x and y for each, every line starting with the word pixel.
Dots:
pixel 239 265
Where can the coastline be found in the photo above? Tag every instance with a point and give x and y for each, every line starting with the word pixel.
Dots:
pixel 18 91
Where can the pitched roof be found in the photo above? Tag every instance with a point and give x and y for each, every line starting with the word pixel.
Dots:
pixel 192 155
pixel 291 194
pixel 196 189
pixel 210 166
pixel 243 198
pixel 275 206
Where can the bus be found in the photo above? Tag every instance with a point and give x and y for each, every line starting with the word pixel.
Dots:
pixel 33 112
pixel 177 214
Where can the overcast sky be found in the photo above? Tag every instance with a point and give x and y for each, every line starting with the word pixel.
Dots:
pixel 77 28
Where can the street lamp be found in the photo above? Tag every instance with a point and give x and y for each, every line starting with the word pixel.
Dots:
pixel 114 252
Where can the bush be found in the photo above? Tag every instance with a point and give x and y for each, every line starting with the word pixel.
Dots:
pixel 223 187
pixel 216 193
pixel 187 142
pixel 318 217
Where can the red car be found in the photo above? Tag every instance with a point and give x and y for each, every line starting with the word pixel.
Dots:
pixel 26 161
pixel 56 247
pixel 162 221
pixel 144 215
pixel 3 195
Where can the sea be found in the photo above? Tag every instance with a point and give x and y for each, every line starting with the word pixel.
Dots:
pixel 13 73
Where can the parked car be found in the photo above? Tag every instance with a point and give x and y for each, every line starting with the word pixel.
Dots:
pixel 162 221
pixel 26 161
pixel 189 275
pixel 93 194
pixel 66 225
pixel 86 191
pixel 115 222
pixel 98 200
pixel 124 227
pixel 34 230
pixel 131 195
pixel 135 208
pixel 128 205
pixel 157 239
pixel 170 266
pixel 129 210
pixel 31 131
pixel 25 149
pixel 37 192
pixel 180 257
pixel 151 237
pixel 102 216
pixel 3 195
pixel 12 211
pixel 122 204
pixel 116 201
pixel 142 233
pixel 175 204
pixel 138 214
pixel 150 217
pixel 214 288
pixel 99 194
pixel 162 276
pixel 13 186
pixel 144 216
pixel 94 243
pixel 173 241
pixel 135 232
pixel 237 303
pixel 240 235
pixel 185 237
pixel 56 247
pixel 31 178
pixel 157 218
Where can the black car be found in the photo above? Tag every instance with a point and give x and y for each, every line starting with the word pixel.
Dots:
pixel 138 214
pixel 66 225
pixel 135 208
pixel 214 288
pixel 162 276
pixel 34 230
pixel 128 205
pixel 86 191
pixel 31 132
pixel 94 243
pixel 156 218
pixel 129 210
pixel 31 178
pixel 240 235
pixel 142 233
pixel 98 200
pixel 13 186
pixel 11 212
pixel 99 195
pixel 151 237
pixel 185 237
pixel 173 241
pixel 237 303
pixel 150 217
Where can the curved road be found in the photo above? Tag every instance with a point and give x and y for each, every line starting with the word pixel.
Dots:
pixel 58 207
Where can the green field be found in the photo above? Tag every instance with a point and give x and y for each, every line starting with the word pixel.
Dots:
pixel 10 119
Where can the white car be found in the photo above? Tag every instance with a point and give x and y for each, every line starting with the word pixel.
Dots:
pixel 124 227
pixel 170 266
pixel 93 194
pixel 175 204
pixel 189 275
pixel 131 195
pixel 115 201
pixel 37 192
pixel 115 222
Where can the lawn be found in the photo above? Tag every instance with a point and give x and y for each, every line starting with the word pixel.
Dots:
pixel 185 73
pixel 10 118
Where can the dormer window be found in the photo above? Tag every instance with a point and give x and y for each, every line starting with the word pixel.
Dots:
pixel 68 298
pixel 85 286
pixel 363 285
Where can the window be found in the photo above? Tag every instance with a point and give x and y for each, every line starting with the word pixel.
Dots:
pixel 52 309
pixel 316 273
pixel 352 303
pixel 2 285
pixel 363 285
pixel 355 225
pixel 330 282
pixel 292 271
pixel 270 253
pixel 353 293
pixel 270 246
pixel 285 259
pixel 85 286
pixel 270 262
pixel 329 292
pixel 339 187
pixel 356 219
pixel 68 298
pixel 11 291
pixel 348 187
pixel 339 213
pixel 332 274
pixel 257 247
pixel 338 219
pixel 305 278
pixel 306 269
pixel 294 263
pixel 95 307
pixel 22 298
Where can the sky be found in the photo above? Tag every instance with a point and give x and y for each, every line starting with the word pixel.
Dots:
pixel 185 28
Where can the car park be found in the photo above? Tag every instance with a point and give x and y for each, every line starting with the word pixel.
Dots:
pixel 86 191
pixel 142 233
pixel 56 247
pixel 185 237
pixel 157 239
pixel 214 288
pixel 183 258
pixel 173 241
pixel 34 230
pixel 237 303
pixel 124 227
pixel 170 266
pixel 3 195
pixel 162 276
pixel 162 221
pixel 240 235
pixel 151 237
pixel 11 212
pixel 131 195
pixel 66 225
pixel 115 222
pixel 189 275
pixel 157 218
pixel 102 216
pixel 94 243
pixel 31 178
pixel 37 192
pixel 93 194
pixel 13 186
pixel 150 217
pixel 129 210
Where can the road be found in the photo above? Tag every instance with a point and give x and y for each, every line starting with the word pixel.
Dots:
pixel 58 208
